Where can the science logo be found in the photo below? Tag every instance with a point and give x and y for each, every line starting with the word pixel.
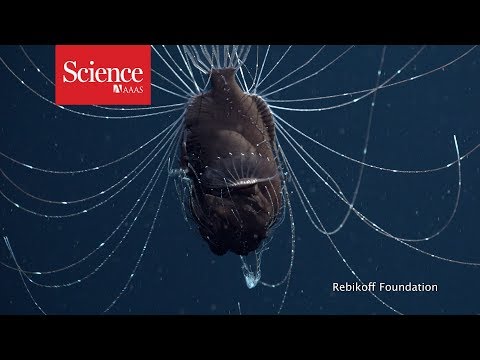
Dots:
pixel 102 75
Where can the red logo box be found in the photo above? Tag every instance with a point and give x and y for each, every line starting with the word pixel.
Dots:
pixel 102 75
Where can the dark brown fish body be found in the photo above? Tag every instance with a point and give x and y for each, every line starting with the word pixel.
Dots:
pixel 229 153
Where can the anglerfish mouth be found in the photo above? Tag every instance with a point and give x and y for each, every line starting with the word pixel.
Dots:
pixel 239 172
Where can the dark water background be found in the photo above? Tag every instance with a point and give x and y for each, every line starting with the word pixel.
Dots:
pixel 413 128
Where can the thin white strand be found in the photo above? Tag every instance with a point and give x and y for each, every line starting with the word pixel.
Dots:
pixel 189 69
pixel 288 138
pixel 196 57
pixel 261 69
pixel 191 65
pixel 199 58
pixel 18 268
pixel 355 99
pixel 371 165
pixel 155 176
pixel 207 82
pixel 244 56
pixel 292 249
pixel 72 172
pixel 311 75
pixel 207 55
pixel 231 56
pixel 85 210
pixel 238 53
pixel 239 82
pixel 36 67
pixel 442 67
pixel 143 249
pixel 274 66
pixel 190 90
pixel 371 223
pixel 194 61
pixel 79 112
pixel 380 230
pixel 387 234
pixel 245 86
pixel 177 105
pixel 180 69
pixel 243 66
pixel 254 81
pixel 169 91
pixel 225 54
pixel 216 53
pixel 295 70
pixel 102 192
pixel 187 93
pixel 365 148
pixel 338 251
pixel 101 245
